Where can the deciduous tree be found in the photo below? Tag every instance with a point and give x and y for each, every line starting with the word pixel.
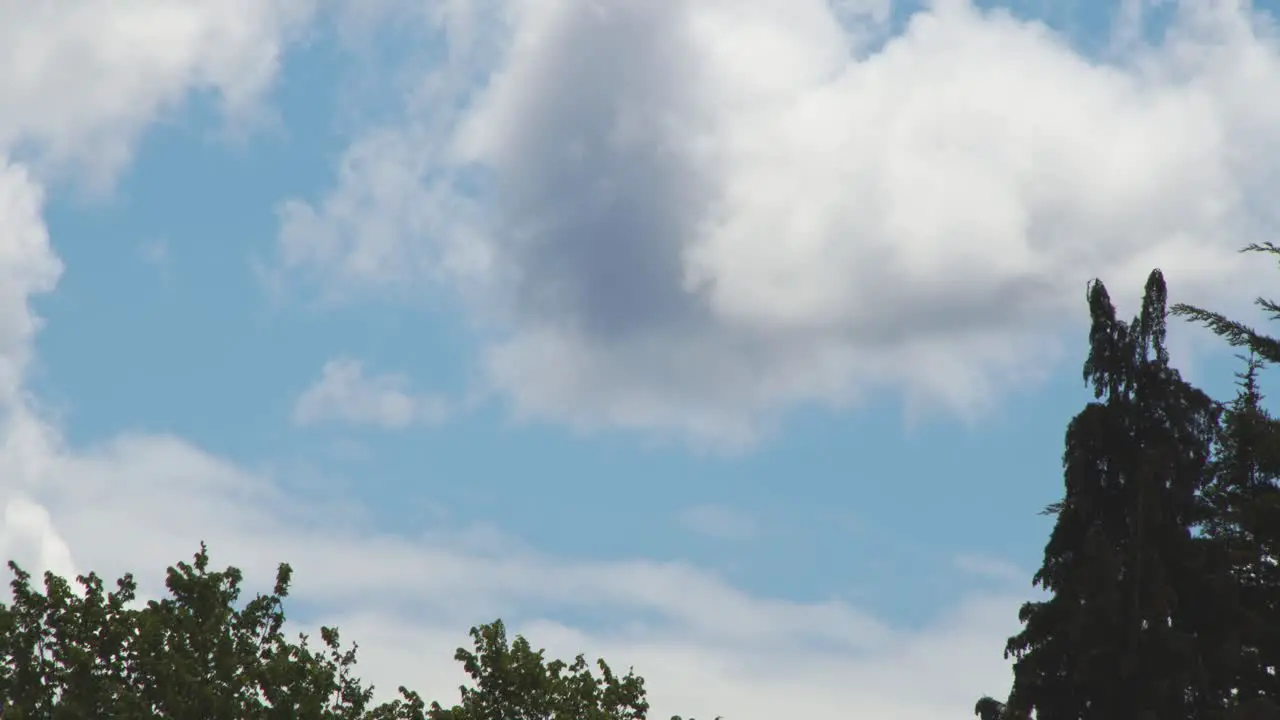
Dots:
pixel 199 654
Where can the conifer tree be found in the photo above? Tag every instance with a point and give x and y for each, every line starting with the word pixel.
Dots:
pixel 1240 525
pixel 1244 511
pixel 1113 641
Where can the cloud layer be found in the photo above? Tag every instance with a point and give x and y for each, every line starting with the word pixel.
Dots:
pixel 771 213
pixel 693 216
pixel 138 502
pixel 705 647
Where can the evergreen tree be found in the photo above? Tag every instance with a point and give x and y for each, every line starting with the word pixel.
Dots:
pixel 1113 641
pixel 1240 524
pixel 1244 511
pixel 1236 333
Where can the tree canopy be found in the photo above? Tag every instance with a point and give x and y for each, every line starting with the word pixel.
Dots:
pixel 90 652
pixel 1164 591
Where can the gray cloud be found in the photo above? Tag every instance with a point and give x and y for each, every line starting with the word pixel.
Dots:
pixel 694 216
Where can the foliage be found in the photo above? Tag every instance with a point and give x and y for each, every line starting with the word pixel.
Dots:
pixel 1114 640
pixel 515 682
pixel 1162 564
pixel 1236 333
pixel 1244 511
pixel 87 653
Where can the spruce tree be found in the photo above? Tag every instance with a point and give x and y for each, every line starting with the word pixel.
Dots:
pixel 1244 513
pixel 1114 641
pixel 1240 531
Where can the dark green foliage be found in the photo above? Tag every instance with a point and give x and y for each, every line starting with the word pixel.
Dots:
pixel 1162 563
pixel 1238 334
pixel 199 655
pixel 1241 527
pixel 1243 514
pixel 1115 638
pixel 515 682
pixel 69 655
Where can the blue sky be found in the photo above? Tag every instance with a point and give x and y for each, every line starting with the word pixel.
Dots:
pixel 718 339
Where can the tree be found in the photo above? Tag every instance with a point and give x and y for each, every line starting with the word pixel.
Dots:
pixel 1114 640
pixel 1245 507
pixel 1236 333
pixel 1241 506
pixel 88 654
pixel 515 682
pixel 199 654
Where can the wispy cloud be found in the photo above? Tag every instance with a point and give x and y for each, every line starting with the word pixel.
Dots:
pixel 704 646
pixel 344 394
pixel 719 521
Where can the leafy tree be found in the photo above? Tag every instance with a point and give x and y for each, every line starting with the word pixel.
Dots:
pixel 66 655
pixel 198 654
pixel 515 682
pixel 1115 639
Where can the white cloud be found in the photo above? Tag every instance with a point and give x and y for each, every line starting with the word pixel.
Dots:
pixel 718 521
pixel 140 502
pixel 28 267
pixel 692 216
pixel 30 536
pixel 343 393
pixel 705 647
pixel 82 78
pixel 78 81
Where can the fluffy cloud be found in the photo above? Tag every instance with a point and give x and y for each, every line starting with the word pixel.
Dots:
pixel 139 502
pixel 692 216
pixel 82 78
pixel 28 267
pixel 343 393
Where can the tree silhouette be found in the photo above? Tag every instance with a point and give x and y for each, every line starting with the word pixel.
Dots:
pixel 1113 640
pixel 1244 513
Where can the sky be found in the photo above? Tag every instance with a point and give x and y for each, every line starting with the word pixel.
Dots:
pixel 732 340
